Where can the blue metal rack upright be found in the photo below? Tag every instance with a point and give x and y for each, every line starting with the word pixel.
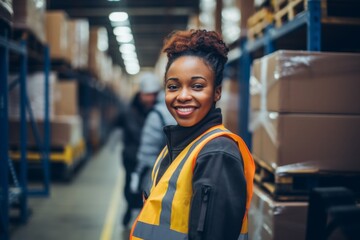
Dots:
pixel 7 46
pixel 311 19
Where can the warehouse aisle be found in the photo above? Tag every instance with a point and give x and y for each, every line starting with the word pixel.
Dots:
pixel 90 207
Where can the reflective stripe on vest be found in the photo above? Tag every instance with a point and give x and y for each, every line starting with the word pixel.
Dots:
pixel 165 214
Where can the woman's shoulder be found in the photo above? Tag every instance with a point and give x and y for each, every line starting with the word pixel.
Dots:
pixel 221 145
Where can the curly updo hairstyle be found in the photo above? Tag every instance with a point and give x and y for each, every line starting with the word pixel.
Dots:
pixel 207 45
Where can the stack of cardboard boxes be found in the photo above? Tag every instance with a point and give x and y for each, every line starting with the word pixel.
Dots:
pixel 305 116
pixel 65 122
pixel 68 39
pixel 100 65
pixel 30 15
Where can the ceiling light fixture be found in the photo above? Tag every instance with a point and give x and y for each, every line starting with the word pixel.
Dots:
pixel 118 16
pixel 127 47
pixel 124 38
pixel 122 30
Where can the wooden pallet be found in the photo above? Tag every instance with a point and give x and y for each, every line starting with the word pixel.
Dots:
pixel 258 23
pixel 333 12
pixel 295 185
pixel 289 9
pixel 277 5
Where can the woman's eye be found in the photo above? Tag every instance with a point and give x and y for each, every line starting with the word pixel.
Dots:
pixel 172 87
pixel 198 86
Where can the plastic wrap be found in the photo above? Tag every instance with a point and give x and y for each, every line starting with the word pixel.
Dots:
pixel 6 9
pixel 98 44
pixel 306 82
pixel 299 100
pixel 78 37
pixel 270 220
pixel 36 94
pixel 83 35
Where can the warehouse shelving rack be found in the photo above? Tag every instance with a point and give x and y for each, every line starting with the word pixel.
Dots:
pixel 291 35
pixel 92 94
pixel 18 196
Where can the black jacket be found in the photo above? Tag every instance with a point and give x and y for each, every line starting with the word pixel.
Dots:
pixel 219 187
pixel 132 122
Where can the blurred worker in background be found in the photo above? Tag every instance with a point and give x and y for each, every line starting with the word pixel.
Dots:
pixel 152 142
pixel 132 123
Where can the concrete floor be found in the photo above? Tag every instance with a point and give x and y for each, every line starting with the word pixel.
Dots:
pixel 89 207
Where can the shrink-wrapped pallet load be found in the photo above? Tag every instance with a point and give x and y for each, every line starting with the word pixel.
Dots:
pixel 305 110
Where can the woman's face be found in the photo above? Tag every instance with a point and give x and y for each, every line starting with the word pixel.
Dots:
pixel 190 90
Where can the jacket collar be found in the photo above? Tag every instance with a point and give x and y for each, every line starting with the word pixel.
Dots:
pixel 179 137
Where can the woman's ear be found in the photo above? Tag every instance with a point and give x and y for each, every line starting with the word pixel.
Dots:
pixel 217 93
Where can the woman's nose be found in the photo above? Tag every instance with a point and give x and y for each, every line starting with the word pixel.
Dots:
pixel 184 95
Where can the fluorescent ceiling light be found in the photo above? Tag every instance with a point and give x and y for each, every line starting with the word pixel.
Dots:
pixel 231 14
pixel 128 57
pixel 131 62
pixel 118 16
pixel 133 69
pixel 122 30
pixel 127 47
pixel 124 38
pixel 129 54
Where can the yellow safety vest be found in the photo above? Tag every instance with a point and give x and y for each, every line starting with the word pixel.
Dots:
pixel 165 214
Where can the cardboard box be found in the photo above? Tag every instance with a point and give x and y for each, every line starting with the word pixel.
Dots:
pixel 310 141
pixel 307 82
pixel 30 15
pixel 271 220
pixel 98 44
pixel 66 98
pixel 57 34
pixel 65 130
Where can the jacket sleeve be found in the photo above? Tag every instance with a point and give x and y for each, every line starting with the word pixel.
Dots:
pixel 219 192
pixel 151 143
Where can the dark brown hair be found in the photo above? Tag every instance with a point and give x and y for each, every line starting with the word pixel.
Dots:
pixel 207 45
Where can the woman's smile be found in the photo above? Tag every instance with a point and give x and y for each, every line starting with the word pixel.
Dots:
pixel 184 111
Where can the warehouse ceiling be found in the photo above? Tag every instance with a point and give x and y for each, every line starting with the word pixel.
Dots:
pixel 150 21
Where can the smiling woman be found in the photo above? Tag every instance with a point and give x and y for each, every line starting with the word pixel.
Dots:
pixel 202 180
pixel 190 90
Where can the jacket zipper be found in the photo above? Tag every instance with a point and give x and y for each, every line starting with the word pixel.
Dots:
pixel 205 196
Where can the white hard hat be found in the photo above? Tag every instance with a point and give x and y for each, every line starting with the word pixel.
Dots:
pixel 149 83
